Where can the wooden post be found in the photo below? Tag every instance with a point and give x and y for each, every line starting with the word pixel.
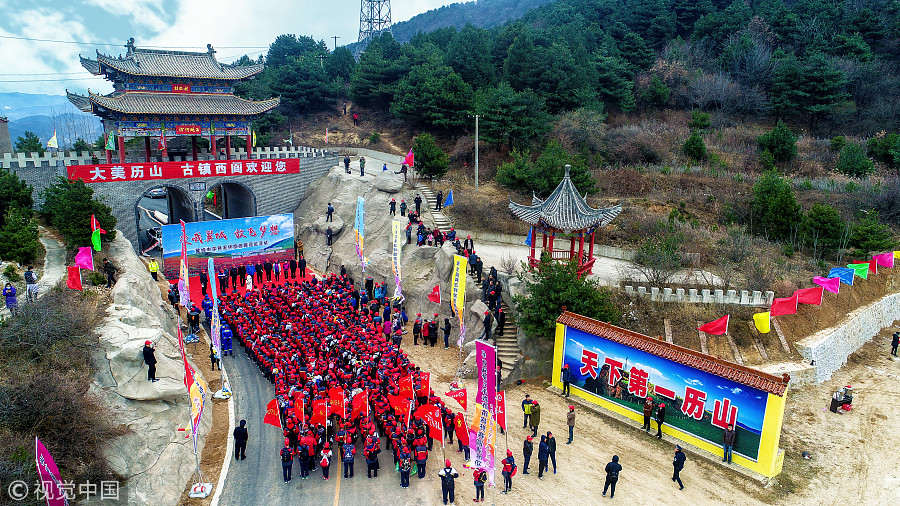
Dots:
pixel 194 148
pixel 533 240
pixel 228 147
pixel 121 149
pixel 591 247
pixel 572 249
pixel 552 235
pixel 249 144
pixel 212 147
pixel 581 249
pixel 147 148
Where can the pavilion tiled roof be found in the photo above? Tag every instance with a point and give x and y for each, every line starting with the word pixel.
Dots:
pixel 80 101
pixel 734 372
pixel 564 209
pixel 176 64
pixel 176 103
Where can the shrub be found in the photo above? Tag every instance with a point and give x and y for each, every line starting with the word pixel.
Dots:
pixel 774 212
pixel 554 285
pixel 14 192
pixel 699 120
pixel 821 229
pixel 431 161
pixel 779 141
pixel 68 207
pixel 870 236
pixel 375 138
pixel 694 148
pixel 11 273
pixel 19 236
pixel 544 174
pixel 853 161
pixel 886 149
pixel 766 160
pixel 838 143
pixel 96 278
pixel 657 93
pixel 659 256
pixel 631 145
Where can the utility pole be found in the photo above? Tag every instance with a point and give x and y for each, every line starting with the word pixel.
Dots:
pixel 321 58
pixel 476 151
pixel 335 37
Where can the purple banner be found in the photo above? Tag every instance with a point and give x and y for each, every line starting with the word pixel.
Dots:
pixel 48 474
pixel 486 369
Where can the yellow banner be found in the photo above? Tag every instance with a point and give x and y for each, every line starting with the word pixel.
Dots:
pixel 458 285
pixel 762 322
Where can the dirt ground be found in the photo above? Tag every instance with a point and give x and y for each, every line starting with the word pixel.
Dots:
pixel 852 453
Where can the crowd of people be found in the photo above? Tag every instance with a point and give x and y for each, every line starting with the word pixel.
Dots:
pixel 338 372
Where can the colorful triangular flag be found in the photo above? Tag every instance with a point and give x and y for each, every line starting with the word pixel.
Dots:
pixel 53 143
pixel 84 259
pixel 812 295
pixel 884 259
pixel 410 159
pixel 716 327
pixel 784 305
pixel 833 285
pixel 861 269
pixel 110 142
pixel 762 321
pixel 435 295
pixel 449 200
pixel 73 279
pixel 842 273
pixel 96 230
pixel 528 239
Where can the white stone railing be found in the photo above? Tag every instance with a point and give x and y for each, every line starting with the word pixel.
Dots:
pixel 703 296
pixel 87 157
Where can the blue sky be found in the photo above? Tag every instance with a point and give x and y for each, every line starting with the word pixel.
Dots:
pixel 184 23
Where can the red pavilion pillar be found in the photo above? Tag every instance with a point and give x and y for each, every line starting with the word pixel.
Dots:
pixel 108 152
pixel 533 240
pixel 550 244
pixel 121 149
pixel 194 147
pixel 228 147
pixel 591 247
pixel 581 248
pixel 212 146
pixel 572 249
pixel 249 144
pixel 147 148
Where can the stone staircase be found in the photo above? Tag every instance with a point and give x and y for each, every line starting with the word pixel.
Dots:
pixel 429 198
pixel 508 344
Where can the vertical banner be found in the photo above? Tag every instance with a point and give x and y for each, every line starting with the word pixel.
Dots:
pixel 458 293
pixel 397 238
pixel 183 288
pixel 486 371
pixel 196 388
pixel 211 274
pixel 48 474
pixel 359 226
pixel 483 433
pixel 500 415
pixel 215 326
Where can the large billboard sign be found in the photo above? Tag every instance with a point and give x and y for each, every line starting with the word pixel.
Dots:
pixel 237 241
pixel 618 369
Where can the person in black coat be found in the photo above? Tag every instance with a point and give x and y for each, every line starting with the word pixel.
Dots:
pixel 895 341
pixel 393 207
pixel 242 274
pixel 418 202
pixel 527 450
pixel 259 273
pixel 501 321
pixel 268 266
pixel 612 476
pixel 551 445
pixel 233 274
pixel 328 236
pixel 660 419
pixel 240 441
pixel 446 333
pixel 487 321
pixel 543 456
pixel 440 201
pixel 204 282
pixel 150 360
pixel 566 379
pixel 293 267
pixel 677 466
pixel 301 264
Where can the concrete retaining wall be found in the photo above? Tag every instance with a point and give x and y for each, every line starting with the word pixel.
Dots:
pixel 829 348
pixel 370 153
pixel 705 296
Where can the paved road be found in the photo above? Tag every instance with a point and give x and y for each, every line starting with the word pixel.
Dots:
pixel 257 479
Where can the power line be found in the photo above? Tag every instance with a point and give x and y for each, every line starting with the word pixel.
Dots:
pixel 55 41
pixel 49 80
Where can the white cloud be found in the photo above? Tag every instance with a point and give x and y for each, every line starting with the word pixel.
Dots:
pixel 147 13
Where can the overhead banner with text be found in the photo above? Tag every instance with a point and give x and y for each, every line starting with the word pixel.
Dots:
pixel 618 369
pixel 149 171
pixel 233 242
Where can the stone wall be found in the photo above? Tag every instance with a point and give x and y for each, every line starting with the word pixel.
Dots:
pixel 829 348
pixel 704 296
pixel 153 457
pixel 274 194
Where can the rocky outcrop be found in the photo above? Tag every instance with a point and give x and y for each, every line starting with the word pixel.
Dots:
pixel 153 457
pixel 421 267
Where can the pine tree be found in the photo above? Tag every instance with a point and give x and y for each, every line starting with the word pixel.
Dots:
pixel 431 161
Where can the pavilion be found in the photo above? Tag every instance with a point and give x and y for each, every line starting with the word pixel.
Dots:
pixel 162 94
pixel 564 214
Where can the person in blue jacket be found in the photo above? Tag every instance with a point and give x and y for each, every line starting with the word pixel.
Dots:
pixel 226 339
pixel 12 303
pixel 566 378
pixel 207 307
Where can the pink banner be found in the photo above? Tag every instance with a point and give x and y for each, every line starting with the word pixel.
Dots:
pixel 486 369
pixel 49 476
pixel 884 259
pixel 833 285
pixel 84 258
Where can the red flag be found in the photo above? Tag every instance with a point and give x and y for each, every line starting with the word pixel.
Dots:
pixel 810 295
pixel 410 159
pixel 299 409
pixel 398 403
pixel 272 417
pixel 360 404
pixel 95 225
pixel 716 327
pixel 431 415
pixel 785 305
pixel 459 395
pixel 73 280
pixel 501 409
pixel 406 387
pixel 873 266
pixel 462 432
pixel 336 401
pixel 319 411
pixel 425 389
pixel 435 295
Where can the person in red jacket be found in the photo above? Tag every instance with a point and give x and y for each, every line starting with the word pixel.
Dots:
pixel 421 455
pixel 480 477
pixel 509 469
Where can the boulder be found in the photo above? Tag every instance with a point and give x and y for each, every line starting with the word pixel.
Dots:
pixel 388 182
pixel 153 458
pixel 337 225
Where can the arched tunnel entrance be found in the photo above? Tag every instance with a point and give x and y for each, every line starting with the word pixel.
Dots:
pixel 158 206
pixel 228 200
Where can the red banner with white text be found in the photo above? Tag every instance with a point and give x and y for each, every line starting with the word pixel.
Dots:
pixel 149 171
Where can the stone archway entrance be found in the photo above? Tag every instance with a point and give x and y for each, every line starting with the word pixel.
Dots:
pixel 158 206
pixel 229 199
